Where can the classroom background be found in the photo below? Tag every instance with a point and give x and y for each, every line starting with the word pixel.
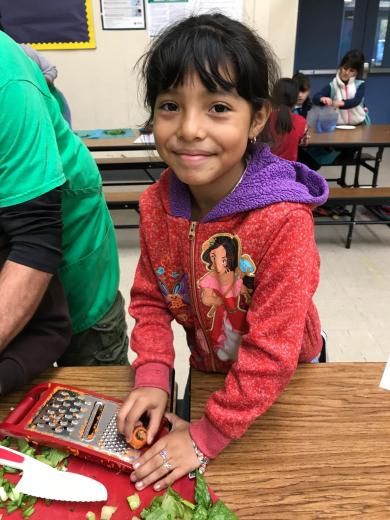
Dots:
pixel 101 87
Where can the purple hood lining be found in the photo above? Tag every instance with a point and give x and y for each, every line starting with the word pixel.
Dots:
pixel 268 180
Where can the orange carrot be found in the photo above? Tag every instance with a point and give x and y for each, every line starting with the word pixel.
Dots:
pixel 138 437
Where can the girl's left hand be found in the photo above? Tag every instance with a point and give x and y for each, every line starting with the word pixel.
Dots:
pixel 338 103
pixel 169 459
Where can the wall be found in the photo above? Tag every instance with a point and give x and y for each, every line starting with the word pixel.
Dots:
pixel 101 85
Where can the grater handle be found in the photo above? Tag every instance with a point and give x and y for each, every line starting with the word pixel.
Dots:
pixel 26 404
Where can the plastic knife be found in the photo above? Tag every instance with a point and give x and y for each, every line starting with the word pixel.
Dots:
pixel 41 480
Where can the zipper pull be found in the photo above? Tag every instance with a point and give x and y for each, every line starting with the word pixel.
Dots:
pixel 191 233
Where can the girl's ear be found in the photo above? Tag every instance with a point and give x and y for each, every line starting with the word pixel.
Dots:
pixel 259 119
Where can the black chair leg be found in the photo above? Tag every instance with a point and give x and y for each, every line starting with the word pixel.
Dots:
pixel 183 406
pixel 324 354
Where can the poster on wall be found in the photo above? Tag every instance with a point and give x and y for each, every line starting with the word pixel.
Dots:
pixel 49 24
pixel 123 14
pixel 162 13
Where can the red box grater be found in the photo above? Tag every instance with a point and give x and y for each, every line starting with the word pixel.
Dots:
pixel 79 421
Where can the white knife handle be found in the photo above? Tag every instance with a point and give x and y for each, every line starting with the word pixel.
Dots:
pixel 12 458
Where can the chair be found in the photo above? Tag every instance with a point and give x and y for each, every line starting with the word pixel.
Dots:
pixel 324 354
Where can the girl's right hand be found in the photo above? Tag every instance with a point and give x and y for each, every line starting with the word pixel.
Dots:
pixel 144 399
pixel 326 101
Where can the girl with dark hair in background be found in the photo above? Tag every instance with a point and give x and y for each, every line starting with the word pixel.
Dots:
pixel 346 91
pixel 288 130
pixel 304 103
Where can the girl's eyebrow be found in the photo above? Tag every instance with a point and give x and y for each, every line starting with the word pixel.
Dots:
pixel 218 92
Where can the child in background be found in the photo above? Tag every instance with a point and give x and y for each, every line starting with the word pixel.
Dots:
pixel 227 245
pixel 304 102
pixel 288 130
pixel 345 91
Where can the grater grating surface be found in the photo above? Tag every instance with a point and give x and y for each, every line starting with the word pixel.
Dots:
pixel 84 420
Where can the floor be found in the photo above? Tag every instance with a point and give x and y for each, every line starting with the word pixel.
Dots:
pixel 353 297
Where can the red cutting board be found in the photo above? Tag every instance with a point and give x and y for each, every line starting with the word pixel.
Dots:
pixel 118 486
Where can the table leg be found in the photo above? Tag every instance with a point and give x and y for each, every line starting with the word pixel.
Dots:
pixel 357 168
pixel 350 227
pixel 378 159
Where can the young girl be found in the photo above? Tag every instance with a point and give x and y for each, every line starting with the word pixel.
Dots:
pixel 231 224
pixel 288 130
pixel 345 91
pixel 304 102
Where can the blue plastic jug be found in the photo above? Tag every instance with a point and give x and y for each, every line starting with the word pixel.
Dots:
pixel 327 119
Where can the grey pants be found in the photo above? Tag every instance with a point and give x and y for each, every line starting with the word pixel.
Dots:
pixel 105 343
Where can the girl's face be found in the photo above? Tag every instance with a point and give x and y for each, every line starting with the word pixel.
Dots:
pixel 346 73
pixel 302 96
pixel 203 135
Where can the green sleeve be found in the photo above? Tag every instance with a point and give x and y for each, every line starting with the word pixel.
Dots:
pixel 30 164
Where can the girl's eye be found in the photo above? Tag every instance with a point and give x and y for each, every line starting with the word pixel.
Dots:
pixel 169 107
pixel 219 108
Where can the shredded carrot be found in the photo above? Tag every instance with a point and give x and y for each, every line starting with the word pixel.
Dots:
pixel 138 437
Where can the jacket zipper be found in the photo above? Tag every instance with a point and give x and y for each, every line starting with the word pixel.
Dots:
pixel 191 236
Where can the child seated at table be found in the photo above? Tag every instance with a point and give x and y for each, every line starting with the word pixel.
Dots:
pixel 304 103
pixel 346 91
pixel 288 130
pixel 227 245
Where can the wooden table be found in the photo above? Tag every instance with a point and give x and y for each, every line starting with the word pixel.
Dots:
pixel 369 136
pixel 117 143
pixel 322 451
pixel 372 136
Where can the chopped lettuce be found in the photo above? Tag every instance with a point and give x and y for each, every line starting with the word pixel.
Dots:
pixel 52 456
pixel 107 512
pixel 134 501
pixel 171 506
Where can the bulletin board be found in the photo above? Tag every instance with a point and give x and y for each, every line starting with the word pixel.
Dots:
pixel 49 24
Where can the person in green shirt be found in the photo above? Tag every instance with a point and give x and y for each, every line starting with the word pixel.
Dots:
pixel 53 219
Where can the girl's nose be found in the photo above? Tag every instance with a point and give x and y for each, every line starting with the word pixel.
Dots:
pixel 191 127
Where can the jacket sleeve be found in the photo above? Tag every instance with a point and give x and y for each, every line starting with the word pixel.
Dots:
pixel 324 92
pixel 268 355
pixel 356 100
pixel 152 336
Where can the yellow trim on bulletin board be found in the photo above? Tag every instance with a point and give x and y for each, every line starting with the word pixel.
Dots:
pixel 90 44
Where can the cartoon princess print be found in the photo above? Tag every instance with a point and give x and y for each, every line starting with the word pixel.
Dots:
pixel 226 289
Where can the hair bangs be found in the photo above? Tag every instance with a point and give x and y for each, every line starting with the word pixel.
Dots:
pixel 198 53
pixel 222 52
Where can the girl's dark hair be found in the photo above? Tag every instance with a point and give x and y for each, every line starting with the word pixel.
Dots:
pixel 285 96
pixel 354 59
pixel 302 80
pixel 224 53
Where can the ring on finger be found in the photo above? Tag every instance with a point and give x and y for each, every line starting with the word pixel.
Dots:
pixel 164 455
pixel 167 465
